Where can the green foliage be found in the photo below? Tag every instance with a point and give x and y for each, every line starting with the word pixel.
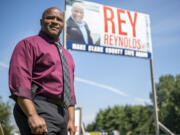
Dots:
pixel 5 113
pixel 168 94
pixel 91 127
pixel 125 119
pixel 132 119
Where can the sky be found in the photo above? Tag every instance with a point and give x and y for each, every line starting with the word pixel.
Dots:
pixel 101 80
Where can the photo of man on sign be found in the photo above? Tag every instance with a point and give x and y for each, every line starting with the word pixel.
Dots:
pixel 82 26
pixel 77 29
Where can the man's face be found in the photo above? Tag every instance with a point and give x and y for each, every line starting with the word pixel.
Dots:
pixel 78 14
pixel 52 23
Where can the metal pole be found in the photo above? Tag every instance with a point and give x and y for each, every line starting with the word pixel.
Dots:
pixel 147 124
pixel 154 97
pixel 80 122
pixel 64 33
pixel 83 130
pixel 165 129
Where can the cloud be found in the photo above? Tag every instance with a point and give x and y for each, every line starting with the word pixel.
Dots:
pixel 117 91
pixel 136 100
pixel 142 101
pixel 3 65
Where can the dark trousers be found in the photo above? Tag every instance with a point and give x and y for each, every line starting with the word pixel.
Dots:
pixel 56 118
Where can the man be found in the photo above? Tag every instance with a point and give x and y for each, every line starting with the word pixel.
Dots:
pixel 77 29
pixel 37 80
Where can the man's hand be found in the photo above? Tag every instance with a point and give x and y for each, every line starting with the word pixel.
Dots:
pixel 70 127
pixel 37 124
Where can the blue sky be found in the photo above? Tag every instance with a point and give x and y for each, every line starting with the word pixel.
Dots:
pixel 101 80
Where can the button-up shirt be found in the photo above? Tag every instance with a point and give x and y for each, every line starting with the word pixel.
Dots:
pixel 36 60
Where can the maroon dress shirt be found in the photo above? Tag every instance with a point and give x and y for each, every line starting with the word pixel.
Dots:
pixel 36 60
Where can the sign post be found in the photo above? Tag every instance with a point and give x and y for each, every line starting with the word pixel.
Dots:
pixel 154 97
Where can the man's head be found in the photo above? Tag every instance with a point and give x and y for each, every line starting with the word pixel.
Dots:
pixel 78 12
pixel 52 22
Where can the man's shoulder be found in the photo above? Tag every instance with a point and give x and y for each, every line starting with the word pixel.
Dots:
pixel 31 40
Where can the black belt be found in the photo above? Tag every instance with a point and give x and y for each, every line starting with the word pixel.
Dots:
pixel 54 101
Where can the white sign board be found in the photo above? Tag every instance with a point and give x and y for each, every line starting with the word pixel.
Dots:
pixel 103 29
pixel 77 121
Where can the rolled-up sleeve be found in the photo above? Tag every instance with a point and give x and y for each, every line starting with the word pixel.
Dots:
pixel 20 71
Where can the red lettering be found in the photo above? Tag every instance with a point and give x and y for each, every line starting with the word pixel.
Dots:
pixel 106 39
pixel 121 42
pixel 126 42
pixel 130 44
pixel 133 23
pixel 115 39
pixel 134 43
pixel 108 19
pixel 138 44
pixel 111 39
pixel 120 21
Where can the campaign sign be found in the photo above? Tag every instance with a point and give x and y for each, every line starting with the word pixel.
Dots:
pixel 77 121
pixel 99 28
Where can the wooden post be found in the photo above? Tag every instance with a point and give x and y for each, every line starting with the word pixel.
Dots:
pixel 1 129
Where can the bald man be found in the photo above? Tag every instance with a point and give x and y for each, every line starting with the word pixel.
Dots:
pixel 36 80
pixel 77 29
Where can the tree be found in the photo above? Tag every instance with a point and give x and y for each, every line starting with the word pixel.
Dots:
pixel 168 99
pixel 91 127
pixel 132 119
pixel 5 113
pixel 125 119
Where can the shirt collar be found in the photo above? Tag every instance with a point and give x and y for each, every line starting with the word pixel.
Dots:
pixel 47 38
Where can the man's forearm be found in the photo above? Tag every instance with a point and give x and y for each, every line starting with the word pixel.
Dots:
pixel 71 121
pixel 71 113
pixel 27 106
pixel 36 123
